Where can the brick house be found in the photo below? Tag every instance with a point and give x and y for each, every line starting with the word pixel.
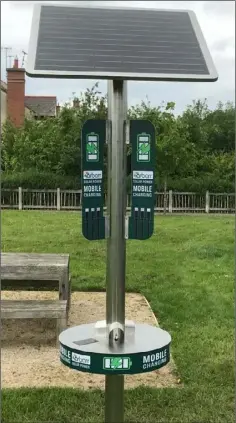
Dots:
pixel 16 106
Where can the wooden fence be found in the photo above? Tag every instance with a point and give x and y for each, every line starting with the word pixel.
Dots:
pixel 172 202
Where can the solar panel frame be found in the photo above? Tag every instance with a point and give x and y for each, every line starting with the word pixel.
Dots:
pixel 185 77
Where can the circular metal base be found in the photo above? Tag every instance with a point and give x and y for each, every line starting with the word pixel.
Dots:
pixel 82 349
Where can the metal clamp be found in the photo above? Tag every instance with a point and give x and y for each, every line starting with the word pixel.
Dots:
pixel 126 227
pixel 108 130
pixel 127 131
pixel 107 226
pixel 116 333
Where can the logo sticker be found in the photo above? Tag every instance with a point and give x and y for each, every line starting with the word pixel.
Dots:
pixel 143 151
pixel 117 363
pixel 81 359
pixel 92 148
pixel 142 174
pixel 92 174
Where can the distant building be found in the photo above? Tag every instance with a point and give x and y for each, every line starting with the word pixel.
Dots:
pixel 41 106
pixel 16 106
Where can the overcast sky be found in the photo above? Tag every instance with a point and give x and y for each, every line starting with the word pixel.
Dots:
pixel 216 18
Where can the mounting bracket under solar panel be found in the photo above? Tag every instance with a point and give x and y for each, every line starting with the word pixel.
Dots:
pixel 118 43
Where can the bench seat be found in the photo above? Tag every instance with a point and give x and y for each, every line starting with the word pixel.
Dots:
pixel 32 309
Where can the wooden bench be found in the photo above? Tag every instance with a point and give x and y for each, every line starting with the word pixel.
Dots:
pixel 31 270
pixel 33 309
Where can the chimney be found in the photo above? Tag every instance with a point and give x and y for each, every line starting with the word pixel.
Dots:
pixel 76 103
pixel 58 108
pixel 16 63
pixel 16 94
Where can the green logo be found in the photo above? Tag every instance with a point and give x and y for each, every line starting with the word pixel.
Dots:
pixel 117 363
pixel 143 153
pixel 92 147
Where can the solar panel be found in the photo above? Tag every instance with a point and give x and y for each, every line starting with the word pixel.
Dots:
pixel 118 43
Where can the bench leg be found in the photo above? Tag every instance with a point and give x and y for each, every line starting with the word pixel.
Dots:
pixel 68 298
pixel 65 290
pixel 61 325
pixel 64 282
pixel 62 289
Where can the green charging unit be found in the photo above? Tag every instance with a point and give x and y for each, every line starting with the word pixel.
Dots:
pixel 143 157
pixel 93 140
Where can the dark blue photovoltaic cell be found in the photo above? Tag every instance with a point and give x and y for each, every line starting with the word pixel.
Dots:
pixel 76 39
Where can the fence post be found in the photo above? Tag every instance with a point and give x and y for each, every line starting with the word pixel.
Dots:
pixel 207 202
pixel 20 198
pixel 58 199
pixel 80 198
pixel 170 201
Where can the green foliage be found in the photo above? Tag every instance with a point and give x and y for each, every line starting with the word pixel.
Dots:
pixel 221 128
pixel 175 154
pixel 51 145
pixel 39 180
pixel 195 151
pixel 193 120
pixel 208 182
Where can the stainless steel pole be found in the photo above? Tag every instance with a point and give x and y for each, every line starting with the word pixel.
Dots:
pixel 116 245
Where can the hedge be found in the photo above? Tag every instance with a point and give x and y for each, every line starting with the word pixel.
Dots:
pixel 36 180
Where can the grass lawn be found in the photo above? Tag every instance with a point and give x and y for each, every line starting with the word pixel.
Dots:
pixel 186 272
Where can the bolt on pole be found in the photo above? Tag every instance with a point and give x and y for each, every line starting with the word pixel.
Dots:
pixel 116 244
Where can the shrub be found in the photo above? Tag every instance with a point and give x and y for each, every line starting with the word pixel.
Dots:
pixel 39 180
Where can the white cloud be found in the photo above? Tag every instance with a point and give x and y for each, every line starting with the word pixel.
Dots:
pixel 217 20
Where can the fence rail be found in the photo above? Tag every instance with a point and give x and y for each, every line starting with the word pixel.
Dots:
pixel 171 202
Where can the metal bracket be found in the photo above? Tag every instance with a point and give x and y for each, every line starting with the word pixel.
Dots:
pixel 127 131
pixel 126 227
pixel 116 333
pixel 103 330
pixel 108 130
pixel 107 226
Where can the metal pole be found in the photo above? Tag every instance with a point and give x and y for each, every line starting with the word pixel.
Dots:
pixel 116 246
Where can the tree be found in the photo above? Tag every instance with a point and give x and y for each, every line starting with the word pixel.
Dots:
pixel 194 150
pixel 175 153
pixel 193 120
pixel 51 145
pixel 220 124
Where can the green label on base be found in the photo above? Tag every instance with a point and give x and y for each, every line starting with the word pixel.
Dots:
pixel 101 364
pixel 117 363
